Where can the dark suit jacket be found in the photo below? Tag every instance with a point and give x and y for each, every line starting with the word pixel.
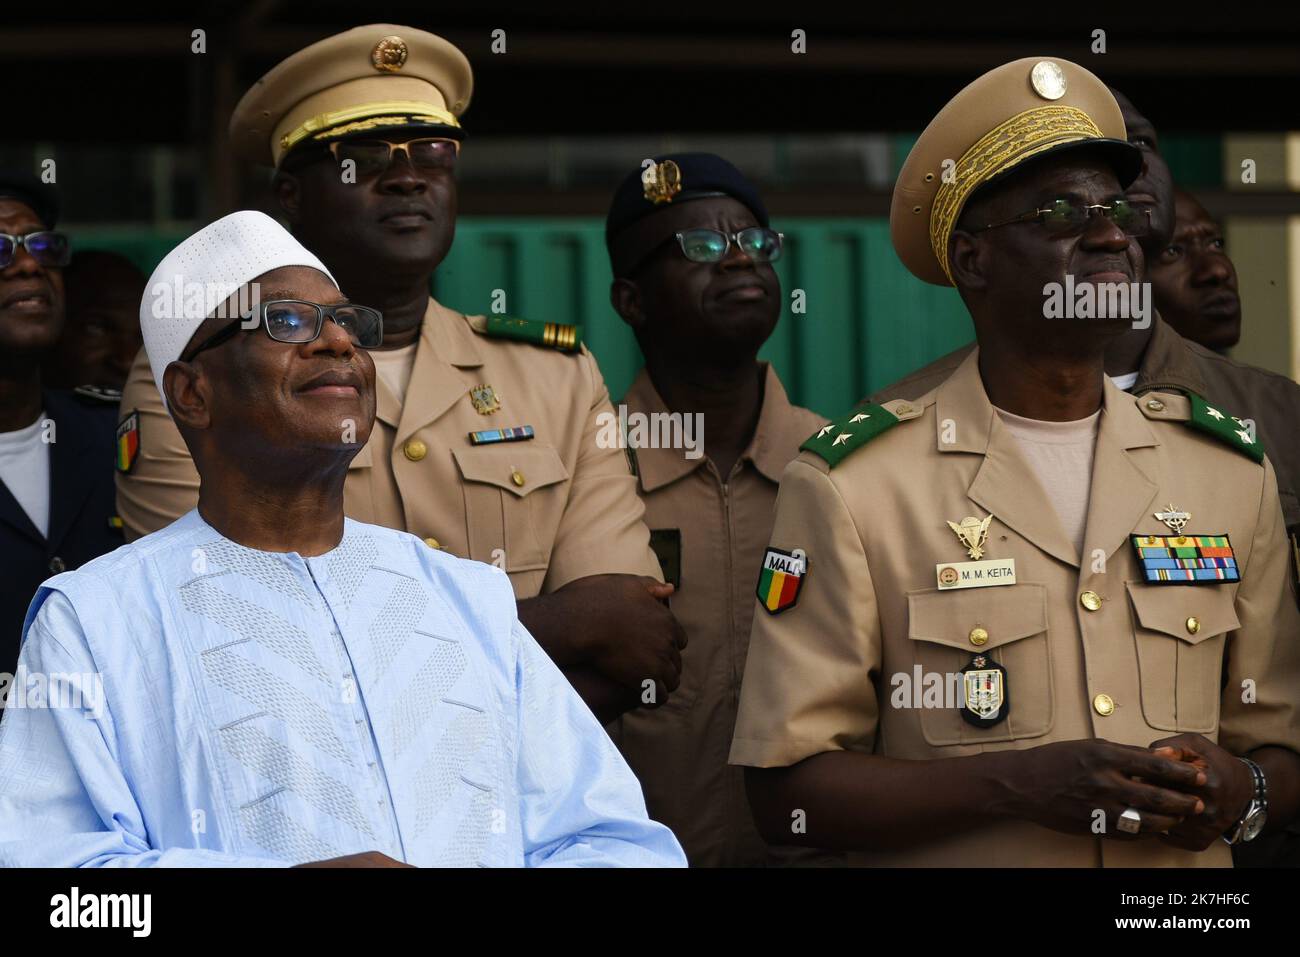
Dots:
pixel 81 507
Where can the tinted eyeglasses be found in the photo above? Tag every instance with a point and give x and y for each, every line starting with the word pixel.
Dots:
pixel 705 245
pixel 1069 217
pixel 298 321
pixel 45 246
pixel 372 157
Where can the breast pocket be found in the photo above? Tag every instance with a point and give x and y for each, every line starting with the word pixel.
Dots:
pixel 1180 632
pixel 1008 625
pixel 514 497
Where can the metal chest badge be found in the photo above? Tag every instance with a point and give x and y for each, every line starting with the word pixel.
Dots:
pixel 974 533
pixel 985 701
pixel 485 399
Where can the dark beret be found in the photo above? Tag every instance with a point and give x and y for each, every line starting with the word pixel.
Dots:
pixel 678 178
pixel 27 188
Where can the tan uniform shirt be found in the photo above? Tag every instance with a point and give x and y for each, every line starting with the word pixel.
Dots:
pixel 820 675
pixel 1174 362
pixel 549 510
pixel 714 532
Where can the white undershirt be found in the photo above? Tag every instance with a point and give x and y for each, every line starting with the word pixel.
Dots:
pixel 1124 382
pixel 394 367
pixel 1060 454
pixel 25 471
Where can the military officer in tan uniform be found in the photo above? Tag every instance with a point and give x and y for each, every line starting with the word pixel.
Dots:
pixel 692 251
pixel 487 438
pixel 1027 618
pixel 1158 357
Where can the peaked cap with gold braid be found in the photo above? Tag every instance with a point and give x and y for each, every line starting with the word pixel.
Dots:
pixel 1019 111
pixel 379 79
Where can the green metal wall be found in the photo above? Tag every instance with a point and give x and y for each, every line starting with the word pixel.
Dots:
pixel 868 321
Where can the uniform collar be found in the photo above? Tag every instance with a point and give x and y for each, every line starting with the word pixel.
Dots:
pixel 1168 363
pixel 446 343
pixel 966 421
pixel 775 437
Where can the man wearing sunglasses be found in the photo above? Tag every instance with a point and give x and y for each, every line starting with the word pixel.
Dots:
pixel 485 446
pixel 692 253
pixel 266 682
pixel 56 484
pixel 1040 621
pixel 1156 356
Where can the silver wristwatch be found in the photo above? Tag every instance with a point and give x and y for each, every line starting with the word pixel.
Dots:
pixel 1252 820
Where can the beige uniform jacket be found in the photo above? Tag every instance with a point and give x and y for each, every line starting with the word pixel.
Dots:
pixel 550 510
pixel 820 673
pixel 711 534
pixel 1174 362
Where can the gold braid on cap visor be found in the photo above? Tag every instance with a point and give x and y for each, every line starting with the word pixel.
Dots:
pixel 357 117
pixel 1006 145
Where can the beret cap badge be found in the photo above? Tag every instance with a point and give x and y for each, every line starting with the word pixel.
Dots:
pixel 389 54
pixel 662 181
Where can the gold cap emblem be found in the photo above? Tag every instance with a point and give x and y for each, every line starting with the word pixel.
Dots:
pixel 662 181
pixel 1048 80
pixel 389 55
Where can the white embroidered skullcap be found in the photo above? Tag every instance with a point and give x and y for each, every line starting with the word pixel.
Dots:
pixel 203 272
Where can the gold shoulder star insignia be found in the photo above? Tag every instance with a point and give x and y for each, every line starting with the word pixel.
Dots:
pixel 1213 413
pixel 1245 437
pixel 859 417
pixel 842 437
pixel 821 433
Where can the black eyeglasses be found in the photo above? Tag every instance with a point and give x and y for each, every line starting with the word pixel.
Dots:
pixel 45 246
pixel 705 245
pixel 1068 217
pixel 298 321
pixel 372 157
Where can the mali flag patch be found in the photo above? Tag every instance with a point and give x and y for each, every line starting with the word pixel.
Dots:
pixel 780 579
pixel 1186 559
pixel 128 441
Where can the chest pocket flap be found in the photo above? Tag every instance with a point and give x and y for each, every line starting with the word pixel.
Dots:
pixel 1005 614
pixel 511 468
pixel 1169 609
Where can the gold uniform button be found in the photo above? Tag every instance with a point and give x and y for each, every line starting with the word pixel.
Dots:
pixel 978 636
pixel 1155 405
pixel 517 477
pixel 1104 704
pixel 415 450
pixel 1090 600
pixel 1193 625
pixel 432 542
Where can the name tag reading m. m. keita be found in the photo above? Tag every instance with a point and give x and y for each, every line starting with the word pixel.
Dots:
pixel 982 574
